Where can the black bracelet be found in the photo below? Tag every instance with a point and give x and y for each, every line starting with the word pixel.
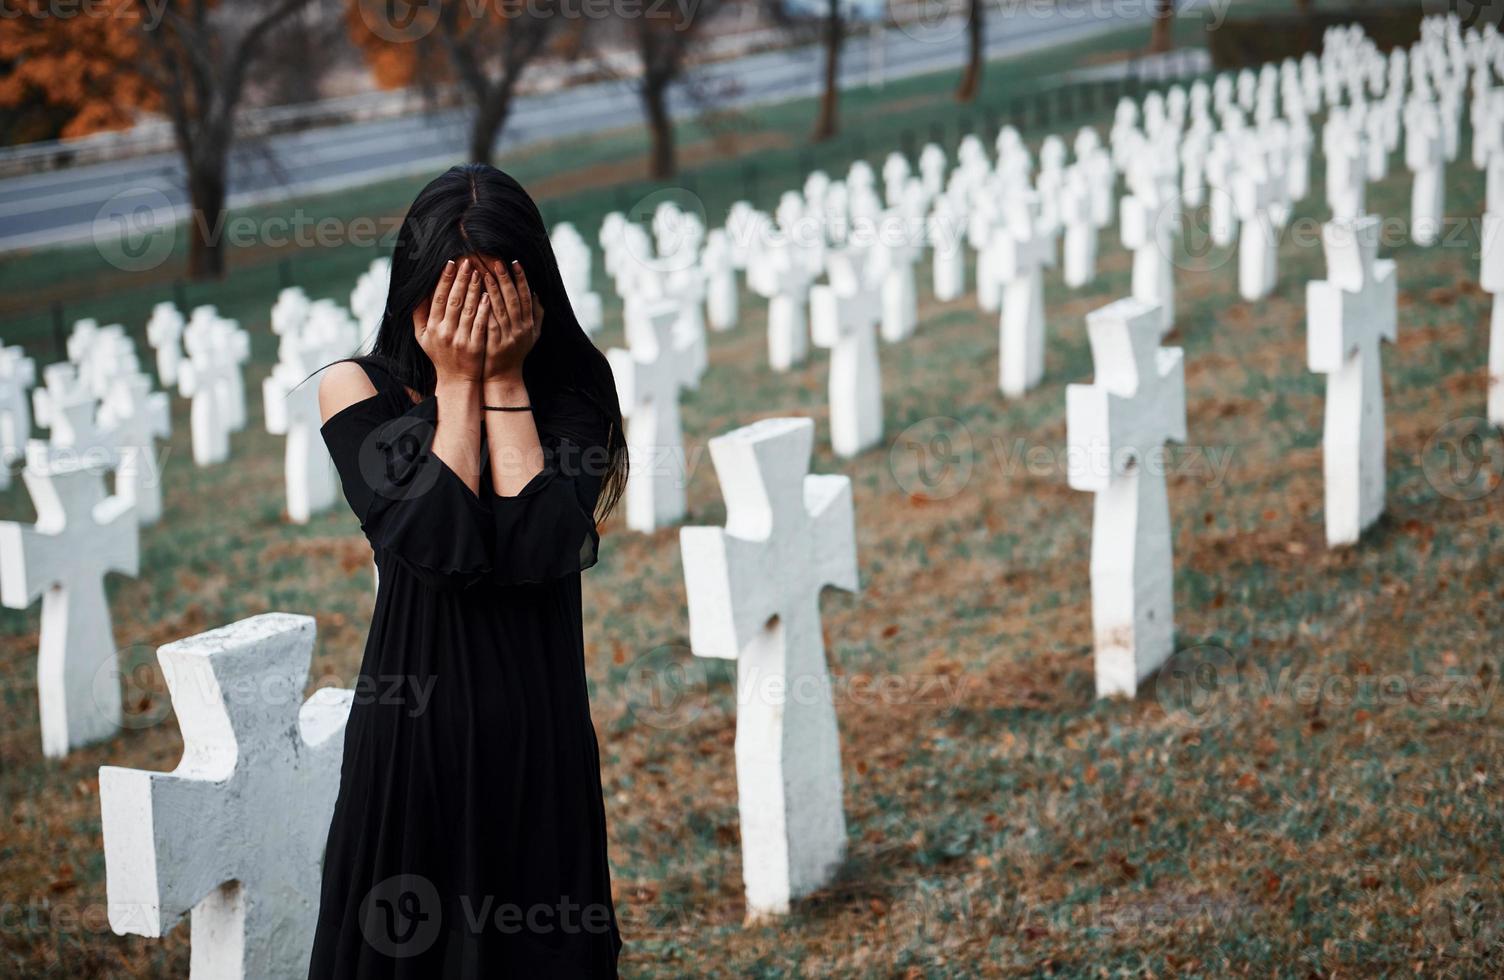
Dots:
pixel 508 408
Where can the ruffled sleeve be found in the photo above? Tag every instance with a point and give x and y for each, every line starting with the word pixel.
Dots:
pixel 418 511
pixel 411 505
pixel 548 530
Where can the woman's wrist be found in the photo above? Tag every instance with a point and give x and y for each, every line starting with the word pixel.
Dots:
pixel 507 391
pixel 458 389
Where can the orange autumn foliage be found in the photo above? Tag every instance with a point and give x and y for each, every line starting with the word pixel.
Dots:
pixel 394 64
pixel 80 64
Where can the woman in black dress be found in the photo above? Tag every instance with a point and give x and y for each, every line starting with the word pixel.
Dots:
pixel 478 444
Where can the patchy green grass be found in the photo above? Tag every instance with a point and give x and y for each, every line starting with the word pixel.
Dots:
pixel 1330 809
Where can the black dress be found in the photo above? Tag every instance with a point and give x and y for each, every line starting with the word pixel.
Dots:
pixel 469 836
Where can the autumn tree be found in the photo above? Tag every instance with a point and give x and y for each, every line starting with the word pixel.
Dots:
pixel 188 59
pixel 63 77
pixel 976 39
pixel 1161 35
pixel 483 47
pixel 832 39
pixel 663 35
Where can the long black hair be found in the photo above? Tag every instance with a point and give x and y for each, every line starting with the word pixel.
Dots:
pixel 478 210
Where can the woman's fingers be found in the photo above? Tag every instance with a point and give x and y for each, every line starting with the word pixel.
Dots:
pixel 436 305
pixel 525 293
pixel 466 325
pixel 482 327
pixel 513 302
pixel 455 302
pixel 494 272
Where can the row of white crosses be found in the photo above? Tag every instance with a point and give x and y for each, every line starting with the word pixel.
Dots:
pixel 102 417
pixel 312 335
pixel 753 594
pixel 1258 172
pixel 101 407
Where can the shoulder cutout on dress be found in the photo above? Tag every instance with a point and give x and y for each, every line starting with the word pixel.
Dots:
pixel 342 385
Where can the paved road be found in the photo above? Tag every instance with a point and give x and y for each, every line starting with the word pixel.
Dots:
pixel 65 205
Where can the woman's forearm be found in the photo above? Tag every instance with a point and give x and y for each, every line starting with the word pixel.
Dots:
pixel 457 439
pixel 511 437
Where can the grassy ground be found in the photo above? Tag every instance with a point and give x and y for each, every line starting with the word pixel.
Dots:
pixel 1329 809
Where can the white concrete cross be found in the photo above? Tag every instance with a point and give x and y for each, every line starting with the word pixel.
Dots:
pixel 754 597
pixel 891 269
pixel 70 414
pixel 1047 189
pixel 80 338
pixel 1193 154
pixel 573 257
pixel 235 834
pixel 1348 315
pixel 686 289
pixel 18 373
pixel 932 166
pixel 1019 256
pixel 1080 265
pixel 110 354
pixel 211 378
pixel 1222 213
pixel 1117 428
pixel 779 273
pixel 648 381
pixel 1097 162
pixel 368 301
pixel 746 229
pixel 135 417
pixel 983 216
pixel 1343 145
pixel 945 231
pixel 722 301
pixel 1491 278
pixel 1373 136
pixel 290 397
pixel 290 312
pixel 649 288
pixel 80 536
pixel 1258 239
pixel 1298 168
pixel 1147 225
pixel 677 235
pixel 843 318
pixel 1424 156
pixel 895 173
pixel 612 241
pixel 164 332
